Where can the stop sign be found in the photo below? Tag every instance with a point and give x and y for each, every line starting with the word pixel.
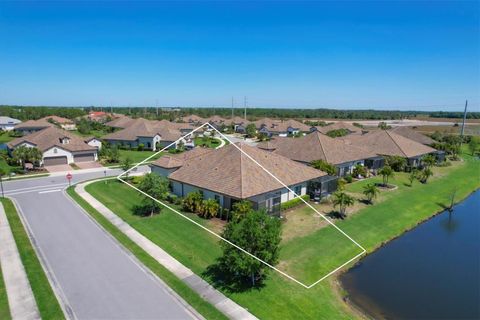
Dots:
pixel 69 176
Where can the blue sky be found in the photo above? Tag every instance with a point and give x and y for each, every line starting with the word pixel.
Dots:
pixel 385 55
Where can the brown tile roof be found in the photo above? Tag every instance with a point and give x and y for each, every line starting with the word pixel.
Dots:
pixel 57 119
pixel 277 126
pixel 40 123
pixel 170 161
pixel 339 125
pixel 216 120
pixel 120 122
pixel 317 146
pixel 230 172
pixel 146 128
pixel 50 137
pixel 194 118
pixel 237 120
pixel 385 142
pixel 413 135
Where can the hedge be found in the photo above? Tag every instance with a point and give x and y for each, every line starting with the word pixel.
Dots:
pixel 294 202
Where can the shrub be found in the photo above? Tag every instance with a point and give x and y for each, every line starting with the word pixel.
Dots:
pixel 359 170
pixel 324 166
pixel 294 202
pixel 209 209
pixel 140 147
pixel 147 207
pixel 348 178
pixel 193 202
pixel 397 163
pixel 337 133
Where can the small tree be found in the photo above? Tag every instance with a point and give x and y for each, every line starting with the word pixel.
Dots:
pixel 342 200
pixel 241 209
pixel 155 186
pixel 386 173
pixel 429 160
pixel 35 156
pixel 384 126
pixel 397 163
pixel 370 191
pixel 257 233
pixel 193 201
pixel 359 170
pixel 209 209
pixel 473 145
pixel 126 165
pixel 21 153
pixel 324 166
pixel 425 174
pixel 251 130
pixel 412 176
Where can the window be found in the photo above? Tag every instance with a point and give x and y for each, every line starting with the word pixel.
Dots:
pixel 217 198
pixel 55 150
pixel 298 190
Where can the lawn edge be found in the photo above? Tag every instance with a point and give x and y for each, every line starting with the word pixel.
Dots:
pixel 179 288
pixel 37 267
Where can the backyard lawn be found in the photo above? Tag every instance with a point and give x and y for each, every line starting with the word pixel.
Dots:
pixel 5 137
pixel 395 212
pixel 46 300
pixel 137 156
pixel 207 142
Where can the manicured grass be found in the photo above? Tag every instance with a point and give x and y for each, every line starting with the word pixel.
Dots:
pixel 137 156
pixel 279 298
pixel 207 142
pixel 5 137
pixel 4 309
pixel 190 296
pixel 44 296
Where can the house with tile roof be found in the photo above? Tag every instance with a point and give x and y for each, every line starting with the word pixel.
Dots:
pixel 317 146
pixel 282 128
pixel 388 143
pixel 152 135
pixel 32 126
pixel 411 134
pixel 229 175
pixel 57 145
pixel 8 124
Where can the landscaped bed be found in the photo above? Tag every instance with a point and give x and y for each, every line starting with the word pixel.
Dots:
pixel 393 213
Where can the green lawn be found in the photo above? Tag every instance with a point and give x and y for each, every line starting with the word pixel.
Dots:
pixel 190 296
pixel 281 298
pixel 4 309
pixel 5 137
pixel 44 296
pixel 137 156
pixel 207 142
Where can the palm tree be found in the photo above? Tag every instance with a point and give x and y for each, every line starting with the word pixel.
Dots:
pixel 126 165
pixel 425 174
pixel 386 173
pixel 370 191
pixel 210 208
pixel 241 209
pixel 429 160
pixel 35 156
pixel 412 176
pixel 21 153
pixel 342 201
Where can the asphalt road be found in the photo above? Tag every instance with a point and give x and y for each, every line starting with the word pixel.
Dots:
pixel 96 278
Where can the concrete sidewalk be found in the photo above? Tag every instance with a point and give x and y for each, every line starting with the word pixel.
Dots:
pixel 20 296
pixel 209 293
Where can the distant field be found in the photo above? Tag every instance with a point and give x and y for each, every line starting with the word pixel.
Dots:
pixel 469 130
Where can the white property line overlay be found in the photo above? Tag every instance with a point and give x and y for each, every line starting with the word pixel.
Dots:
pixel 119 177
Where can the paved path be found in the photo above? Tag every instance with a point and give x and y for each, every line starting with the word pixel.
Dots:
pixel 93 276
pixel 20 296
pixel 221 302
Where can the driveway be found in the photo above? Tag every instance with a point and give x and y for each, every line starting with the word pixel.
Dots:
pixel 59 168
pixel 95 276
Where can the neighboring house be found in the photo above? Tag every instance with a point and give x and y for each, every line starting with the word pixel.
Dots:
pixel 121 122
pixel 169 163
pixel 99 116
pixel 217 122
pixel 32 126
pixel 228 175
pixel 387 143
pixel 282 128
pixel 317 146
pixel 58 146
pixel 339 126
pixel 239 124
pixel 151 134
pixel 63 123
pixel 94 142
pixel 8 124
pixel 194 120
pixel 413 135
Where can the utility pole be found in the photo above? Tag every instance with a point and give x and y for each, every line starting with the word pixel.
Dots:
pixel 232 107
pixel 156 106
pixel 245 107
pixel 464 118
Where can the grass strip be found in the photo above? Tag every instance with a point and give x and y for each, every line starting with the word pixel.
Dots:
pixel 191 297
pixel 42 291
pixel 4 309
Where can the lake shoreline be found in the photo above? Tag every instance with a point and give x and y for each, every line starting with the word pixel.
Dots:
pixel 340 290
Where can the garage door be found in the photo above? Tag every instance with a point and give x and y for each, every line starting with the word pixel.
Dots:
pixel 83 157
pixel 51 161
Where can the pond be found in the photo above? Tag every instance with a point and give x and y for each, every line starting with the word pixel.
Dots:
pixel 430 272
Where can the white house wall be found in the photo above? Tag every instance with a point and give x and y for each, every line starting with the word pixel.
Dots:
pixel 95 143
pixel 57 152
